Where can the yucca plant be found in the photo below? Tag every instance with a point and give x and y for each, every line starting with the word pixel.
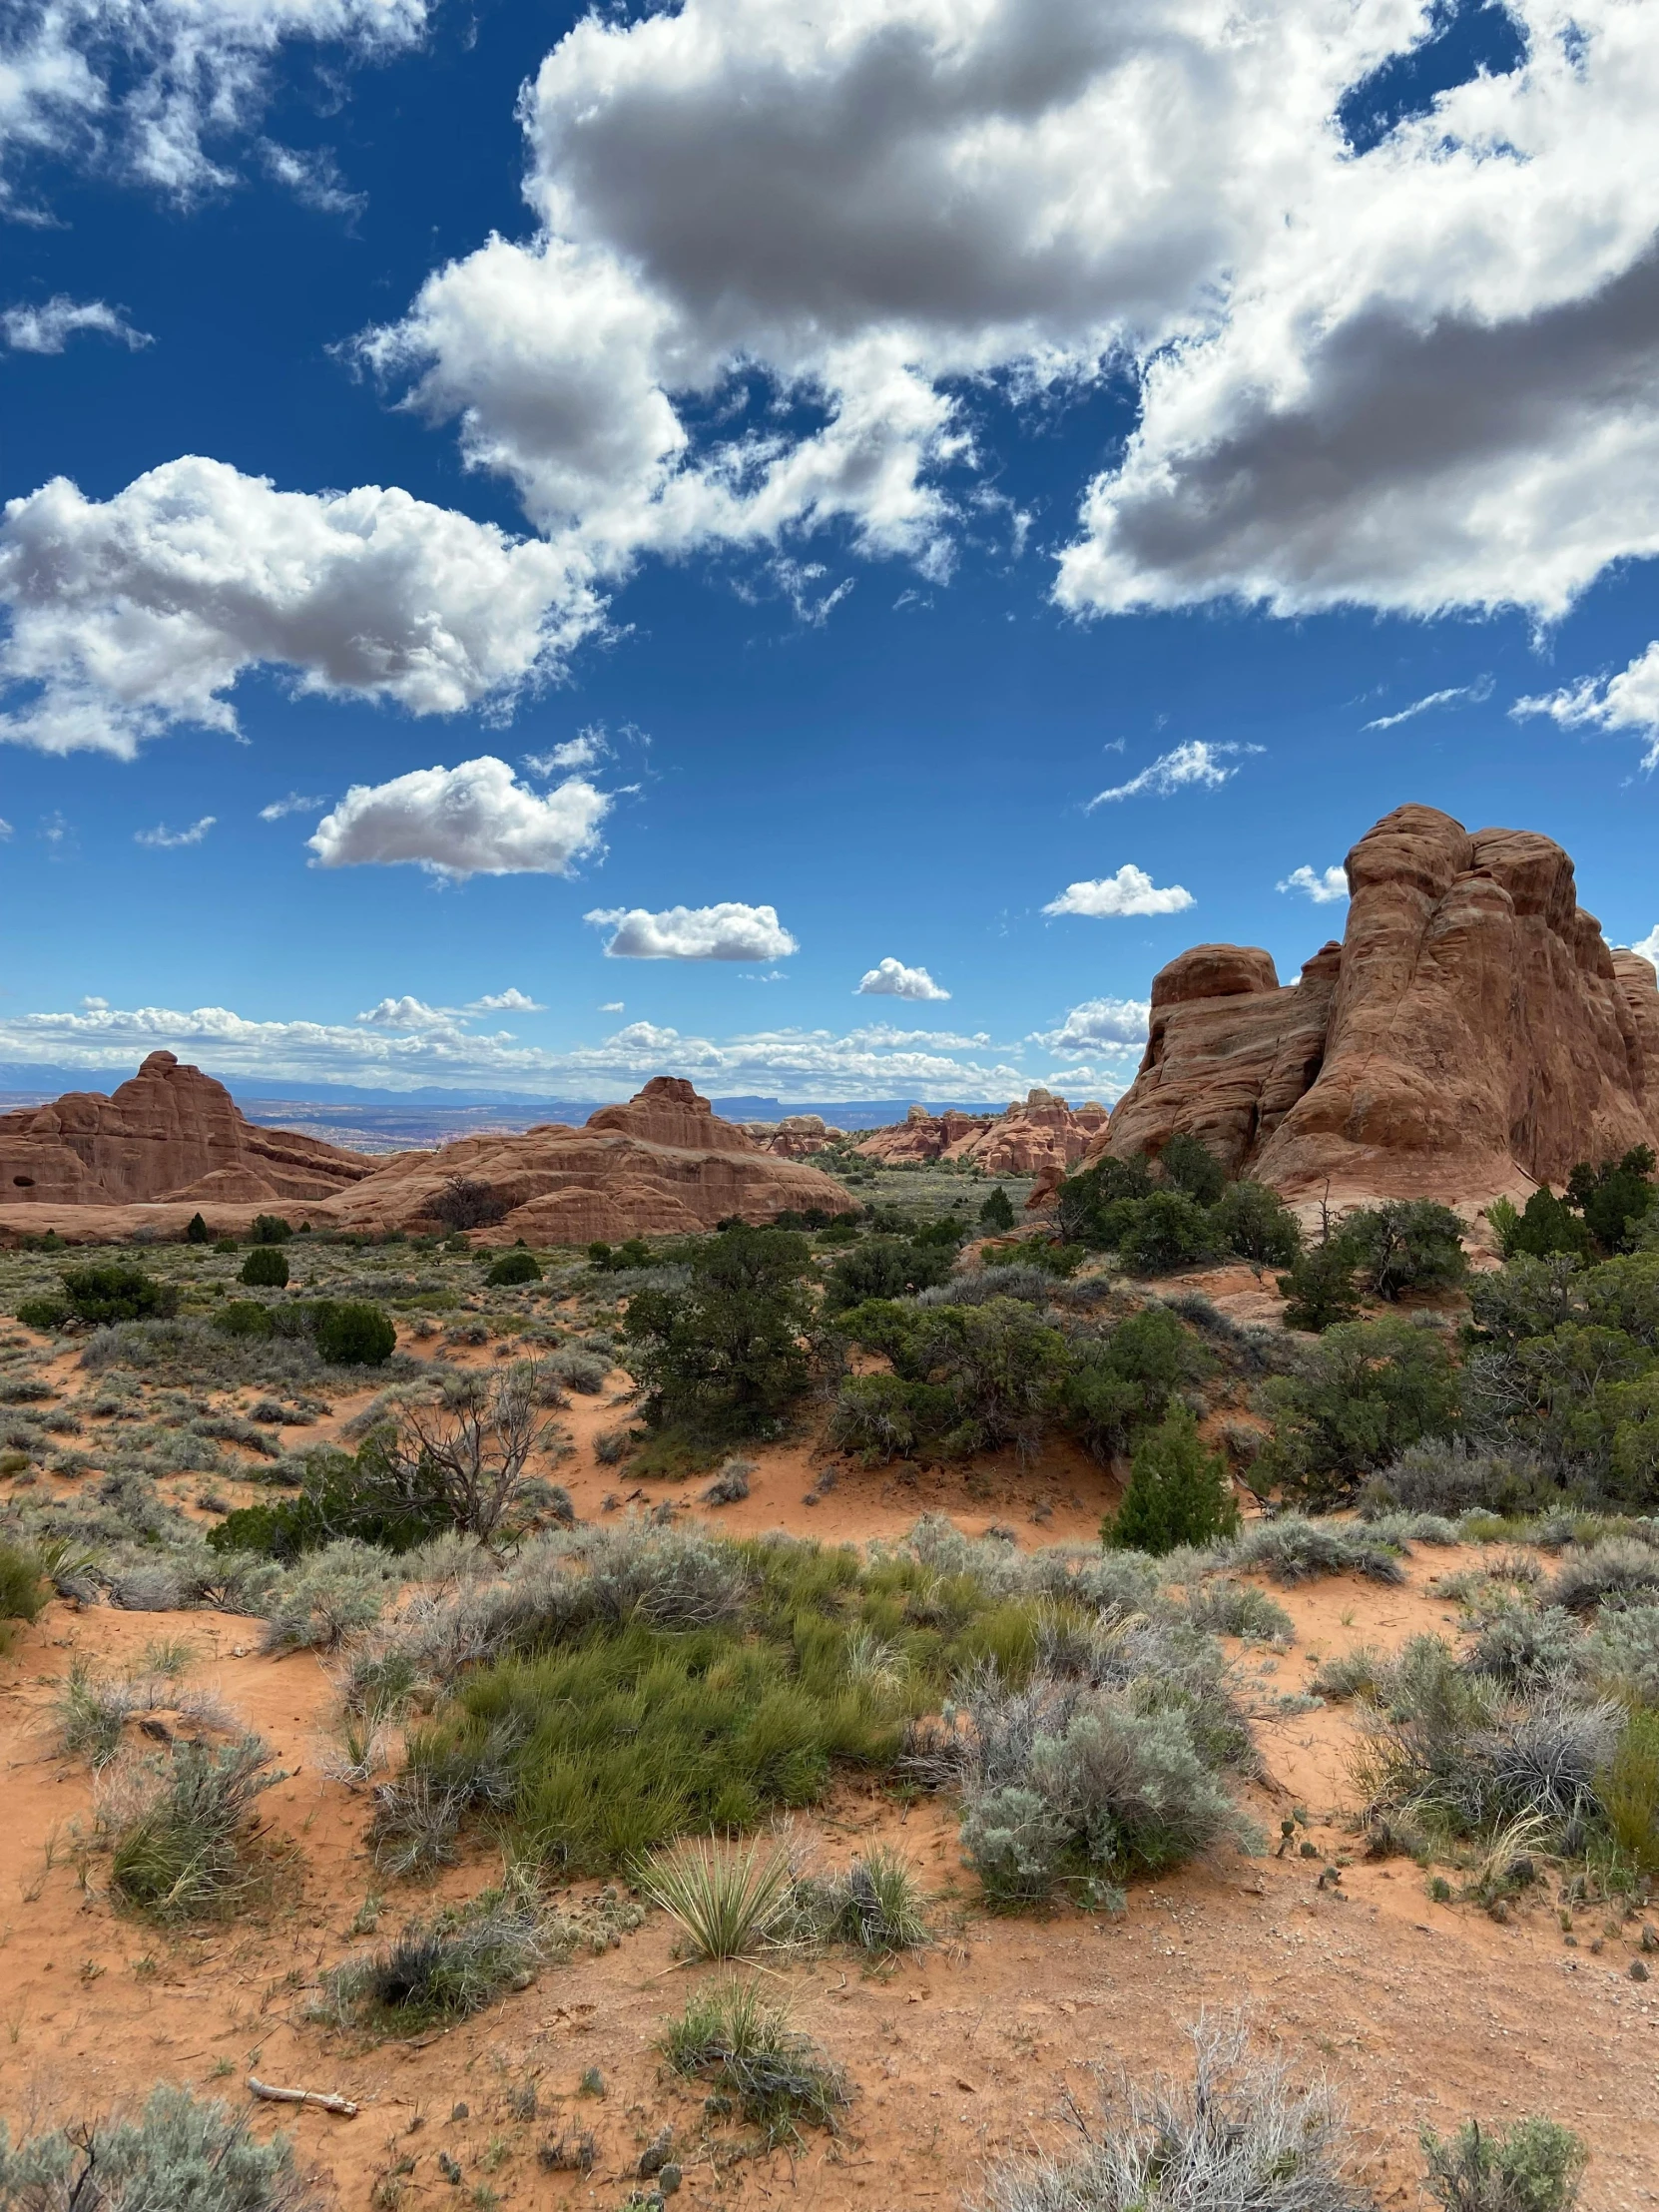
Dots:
pixel 727 1901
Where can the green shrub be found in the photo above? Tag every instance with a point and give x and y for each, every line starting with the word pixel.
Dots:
pixel 1615 1198
pixel 884 1267
pixel 1120 1384
pixel 997 1213
pixel 726 1902
pixel 1192 1167
pixel 245 1317
pixel 1405 1244
pixel 875 1904
pixel 1294 1549
pixel 197 1230
pixel 724 1359
pixel 1319 1287
pixel 1535 2165
pixel 1628 1791
pixel 270 1229
pixel 1374 1388
pixel 178 2153
pixel 47 1314
pixel 352 1335
pixel 517 1266
pixel 1093 1206
pixel 1167 1232
pixel 369 1497
pixel 1546 1225
pixel 110 1292
pixel 1178 1493
pixel 266 1268
pixel 1254 1222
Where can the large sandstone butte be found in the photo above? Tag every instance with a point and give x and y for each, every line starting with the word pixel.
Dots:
pixel 1471 1033
pixel 1035 1134
pixel 170 1132
pixel 664 1164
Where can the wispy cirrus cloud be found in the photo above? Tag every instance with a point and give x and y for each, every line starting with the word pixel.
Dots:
pixel 1196 763
pixel 1627 701
pixel 163 839
pixel 1455 694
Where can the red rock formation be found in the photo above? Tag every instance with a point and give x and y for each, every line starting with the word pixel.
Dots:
pixel 1472 1031
pixel 171 1132
pixel 1034 1134
pixel 796 1137
pixel 664 1164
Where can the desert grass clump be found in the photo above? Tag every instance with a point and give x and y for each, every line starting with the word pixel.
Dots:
pixel 726 1902
pixel 875 1905
pixel 1622 1653
pixel 1533 2166
pixel 731 1483
pixel 748 2051
pixel 445 1968
pixel 181 2152
pixel 182 1831
pixel 23 1589
pixel 1350 1674
pixel 92 1710
pixel 1237 2135
pixel 1293 1548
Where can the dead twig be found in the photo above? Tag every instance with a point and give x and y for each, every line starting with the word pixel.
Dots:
pixel 341 2106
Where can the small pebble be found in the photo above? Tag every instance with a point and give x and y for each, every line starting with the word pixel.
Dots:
pixel 460 2111
pixel 1638 1973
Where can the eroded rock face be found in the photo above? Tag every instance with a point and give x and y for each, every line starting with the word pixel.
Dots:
pixel 1034 1135
pixel 1472 1031
pixel 665 1164
pixel 170 1132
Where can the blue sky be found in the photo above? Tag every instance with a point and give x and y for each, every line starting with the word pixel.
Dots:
pixel 860 438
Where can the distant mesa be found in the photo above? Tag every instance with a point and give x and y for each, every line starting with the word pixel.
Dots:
pixel 1471 1034
pixel 170 1141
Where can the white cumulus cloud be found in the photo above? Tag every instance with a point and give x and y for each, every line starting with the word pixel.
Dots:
pixel 164 838
pixel 49 328
pixel 1627 701
pixel 584 750
pixel 1648 946
pixel 890 978
pixel 473 820
pixel 509 1001
pixel 1130 891
pixel 1322 885
pixel 1115 1026
pixel 729 932
pixel 1413 373
pixel 138 612
pixel 1194 763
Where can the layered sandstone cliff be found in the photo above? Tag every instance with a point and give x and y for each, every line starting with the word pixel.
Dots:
pixel 170 1132
pixel 1471 1032
pixel 1035 1134
pixel 664 1164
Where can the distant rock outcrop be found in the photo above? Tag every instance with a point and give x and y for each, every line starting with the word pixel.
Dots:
pixel 1035 1134
pixel 1470 1033
pixel 170 1132
pixel 796 1137
pixel 664 1164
